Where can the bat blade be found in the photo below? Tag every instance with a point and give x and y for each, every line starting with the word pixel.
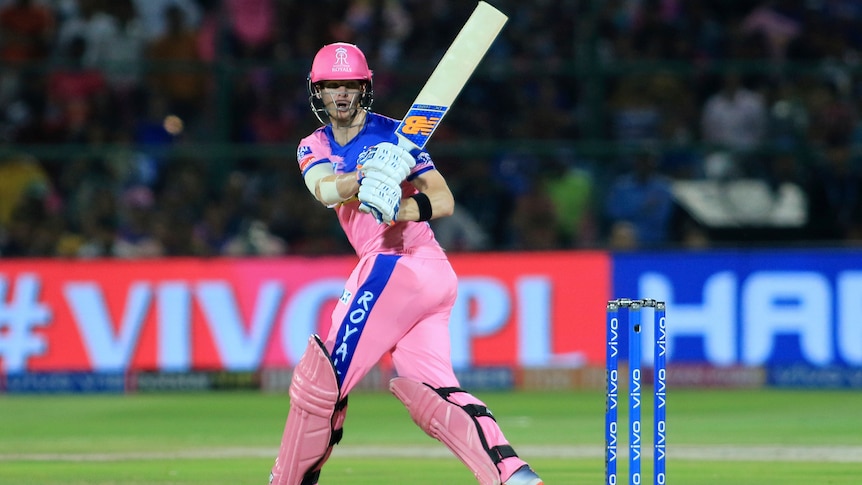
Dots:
pixel 449 77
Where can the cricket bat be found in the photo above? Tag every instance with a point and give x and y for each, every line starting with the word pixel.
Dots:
pixel 449 77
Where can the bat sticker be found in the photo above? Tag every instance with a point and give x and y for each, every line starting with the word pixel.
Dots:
pixel 420 123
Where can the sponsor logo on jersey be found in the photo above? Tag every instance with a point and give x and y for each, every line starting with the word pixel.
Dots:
pixel 305 162
pixel 302 151
pixel 304 157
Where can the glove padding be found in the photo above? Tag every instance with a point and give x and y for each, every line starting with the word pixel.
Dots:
pixel 380 195
pixel 386 158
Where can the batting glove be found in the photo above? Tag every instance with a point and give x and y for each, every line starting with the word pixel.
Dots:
pixel 380 197
pixel 386 158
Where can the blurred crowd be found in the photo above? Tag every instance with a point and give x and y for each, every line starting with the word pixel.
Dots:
pixel 584 118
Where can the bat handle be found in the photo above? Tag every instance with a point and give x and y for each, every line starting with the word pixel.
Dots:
pixel 406 144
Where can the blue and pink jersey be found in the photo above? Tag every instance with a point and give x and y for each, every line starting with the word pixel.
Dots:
pixel 362 230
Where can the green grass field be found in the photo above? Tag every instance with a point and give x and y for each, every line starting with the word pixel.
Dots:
pixel 740 437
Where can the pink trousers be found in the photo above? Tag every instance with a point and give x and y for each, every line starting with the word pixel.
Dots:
pixel 397 304
pixel 401 304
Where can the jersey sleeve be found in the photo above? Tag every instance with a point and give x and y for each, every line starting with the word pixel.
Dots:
pixel 424 163
pixel 313 150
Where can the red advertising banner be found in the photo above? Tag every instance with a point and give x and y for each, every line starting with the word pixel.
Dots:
pixel 550 307
pixel 228 314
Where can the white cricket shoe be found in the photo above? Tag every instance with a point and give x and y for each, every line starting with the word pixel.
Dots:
pixel 524 476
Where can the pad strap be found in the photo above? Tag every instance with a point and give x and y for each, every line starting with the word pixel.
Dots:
pixel 455 424
pixel 496 453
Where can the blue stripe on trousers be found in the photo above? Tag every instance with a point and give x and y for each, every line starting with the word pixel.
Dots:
pixel 357 315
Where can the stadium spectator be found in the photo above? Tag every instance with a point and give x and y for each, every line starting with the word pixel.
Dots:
pixel 635 115
pixel 735 120
pixel 461 232
pixel 127 40
pixel 154 21
pixel 536 222
pixel 90 22
pixel 76 94
pixel 833 116
pixel 26 31
pixel 789 116
pixel 552 110
pixel 570 186
pixel 396 27
pixel 252 26
pixel 254 239
pixel 17 234
pixel 735 117
pixel 134 224
pixel 779 27
pixel 642 202
pixel 33 227
pixel 243 29
pixel 176 70
pixel 122 42
pixel 835 195
pixel 173 234
pixel 20 175
pixel 213 231
pixel 101 240
pixel 485 198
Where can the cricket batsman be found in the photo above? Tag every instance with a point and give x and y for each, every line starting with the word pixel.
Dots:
pixel 399 296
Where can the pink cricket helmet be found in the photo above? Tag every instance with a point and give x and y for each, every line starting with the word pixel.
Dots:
pixel 339 62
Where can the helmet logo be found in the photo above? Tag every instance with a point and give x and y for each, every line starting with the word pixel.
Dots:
pixel 341 64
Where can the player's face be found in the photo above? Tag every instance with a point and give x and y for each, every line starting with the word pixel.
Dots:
pixel 341 98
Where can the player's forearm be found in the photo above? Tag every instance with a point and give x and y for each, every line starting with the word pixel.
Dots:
pixel 442 204
pixel 336 188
